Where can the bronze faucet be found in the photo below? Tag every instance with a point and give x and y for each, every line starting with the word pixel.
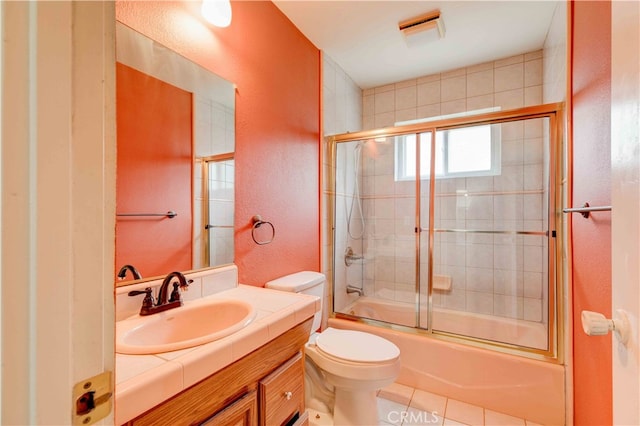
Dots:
pixel 123 272
pixel 162 304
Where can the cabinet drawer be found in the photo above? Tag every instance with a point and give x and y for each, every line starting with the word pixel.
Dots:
pixel 242 412
pixel 282 393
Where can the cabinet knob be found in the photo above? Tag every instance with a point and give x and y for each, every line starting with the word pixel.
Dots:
pixel 288 395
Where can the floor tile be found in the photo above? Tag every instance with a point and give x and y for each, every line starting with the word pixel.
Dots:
pixel 415 416
pixel 463 412
pixel 428 401
pixel 400 405
pixel 493 418
pixel 449 422
pixel 390 411
pixel 320 418
pixel 397 393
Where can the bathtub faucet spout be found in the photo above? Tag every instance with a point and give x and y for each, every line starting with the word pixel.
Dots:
pixel 352 289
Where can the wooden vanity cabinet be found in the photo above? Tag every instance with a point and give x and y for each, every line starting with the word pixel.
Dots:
pixel 282 393
pixel 266 387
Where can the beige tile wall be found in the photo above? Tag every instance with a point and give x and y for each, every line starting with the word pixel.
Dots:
pixel 509 83
pixel 342 112
pixel 221 211
pixel 214 133
pixel 492 274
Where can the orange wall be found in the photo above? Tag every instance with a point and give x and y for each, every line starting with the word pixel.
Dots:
pixel 591 90
pixel 277 74
pixel 154 173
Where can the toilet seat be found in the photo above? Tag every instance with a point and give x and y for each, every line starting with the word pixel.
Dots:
pixel 354 365
pixel 356 346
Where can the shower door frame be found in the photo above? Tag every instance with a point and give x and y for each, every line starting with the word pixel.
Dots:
pixel 554 112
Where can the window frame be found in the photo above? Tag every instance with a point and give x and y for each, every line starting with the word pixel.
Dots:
pixel 400 153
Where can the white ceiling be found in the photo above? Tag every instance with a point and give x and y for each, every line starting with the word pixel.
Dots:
pixel 363 37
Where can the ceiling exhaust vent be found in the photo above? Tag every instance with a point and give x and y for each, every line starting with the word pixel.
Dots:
pixel 421 24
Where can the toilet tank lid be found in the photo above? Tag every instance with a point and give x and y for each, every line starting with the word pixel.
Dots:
pixel 296 282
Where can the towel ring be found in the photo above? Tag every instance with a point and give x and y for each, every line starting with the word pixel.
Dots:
pixel 257 223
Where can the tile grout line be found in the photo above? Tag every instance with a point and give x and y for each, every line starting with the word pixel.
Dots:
pixel 443 416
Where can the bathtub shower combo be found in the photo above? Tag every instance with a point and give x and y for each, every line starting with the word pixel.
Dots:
pixel 446 240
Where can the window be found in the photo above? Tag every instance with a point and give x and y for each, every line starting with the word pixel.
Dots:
pixel 462 152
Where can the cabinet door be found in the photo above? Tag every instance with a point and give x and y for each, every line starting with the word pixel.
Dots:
pixel 242 412
pixel 282 393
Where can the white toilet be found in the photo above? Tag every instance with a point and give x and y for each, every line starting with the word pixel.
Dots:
pixel 343 368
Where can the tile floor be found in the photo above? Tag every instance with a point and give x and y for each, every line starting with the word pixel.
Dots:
pixel 401 405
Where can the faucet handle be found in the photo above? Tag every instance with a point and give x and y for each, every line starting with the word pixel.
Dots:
pixel 175 294
pixel 147 302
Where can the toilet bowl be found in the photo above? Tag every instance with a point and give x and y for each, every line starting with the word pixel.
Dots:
pixel 355 365
pixel 343 368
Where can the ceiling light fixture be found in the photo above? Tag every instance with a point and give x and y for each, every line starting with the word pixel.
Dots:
pixel 217 12
pixel 421 24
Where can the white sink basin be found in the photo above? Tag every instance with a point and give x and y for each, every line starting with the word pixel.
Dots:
pixel 195 323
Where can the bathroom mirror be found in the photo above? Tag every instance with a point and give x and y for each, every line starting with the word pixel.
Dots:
pixel 175 166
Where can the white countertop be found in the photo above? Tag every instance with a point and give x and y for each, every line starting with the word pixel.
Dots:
pixel 144 381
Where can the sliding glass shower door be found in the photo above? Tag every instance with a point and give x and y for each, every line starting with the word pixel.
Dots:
pixel 375 230
pixel 491 234
pixel 450 227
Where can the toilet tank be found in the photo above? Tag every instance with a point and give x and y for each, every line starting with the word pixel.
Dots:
pixel 305 282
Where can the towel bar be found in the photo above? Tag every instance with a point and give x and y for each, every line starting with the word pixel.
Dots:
pixel 586 209
pixel 170 214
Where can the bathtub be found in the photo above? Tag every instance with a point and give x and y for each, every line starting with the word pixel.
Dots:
pixel 510 384
pixel 488 327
